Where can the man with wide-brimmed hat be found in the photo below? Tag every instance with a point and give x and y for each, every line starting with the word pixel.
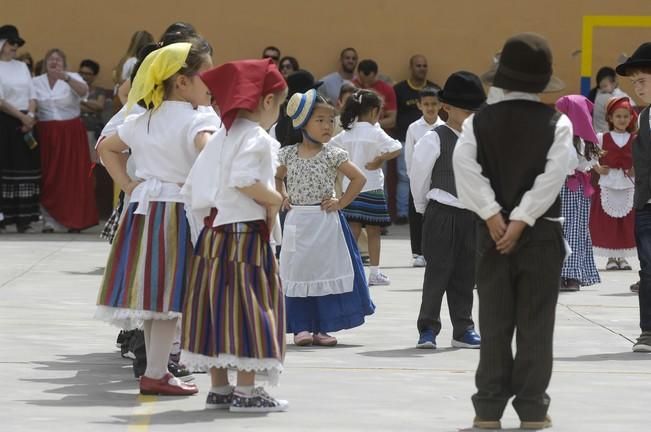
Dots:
pixel 510 163
pixel 638 69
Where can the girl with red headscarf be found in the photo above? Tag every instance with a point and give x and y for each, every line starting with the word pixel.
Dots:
pixel 612 219
pixel 234 315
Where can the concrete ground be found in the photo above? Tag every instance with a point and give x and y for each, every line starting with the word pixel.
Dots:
pixel 60 369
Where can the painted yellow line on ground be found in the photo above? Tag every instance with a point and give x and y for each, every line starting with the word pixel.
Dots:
pixel 142 414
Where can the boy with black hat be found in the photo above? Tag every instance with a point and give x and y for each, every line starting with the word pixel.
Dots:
pixel 638 69
pixel 510 163
pixel 448 227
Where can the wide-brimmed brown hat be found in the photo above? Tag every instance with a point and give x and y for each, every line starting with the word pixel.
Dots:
pixel 524 64
pixel 640 58
pixel 10 33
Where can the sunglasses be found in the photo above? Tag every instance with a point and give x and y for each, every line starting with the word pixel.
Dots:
pixel 13 42
pixel 286 66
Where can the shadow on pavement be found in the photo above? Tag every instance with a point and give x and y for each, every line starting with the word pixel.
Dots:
pixel 621 356
pixel 100 379
pixel 99 271
pixel 407 352
pixel 178 417
pixel 312 348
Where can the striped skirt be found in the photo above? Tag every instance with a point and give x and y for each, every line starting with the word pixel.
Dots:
pixel 234 315
pixel 369 208
pixel 147 270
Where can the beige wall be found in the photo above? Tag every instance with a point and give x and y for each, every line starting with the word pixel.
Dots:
pixel 453 35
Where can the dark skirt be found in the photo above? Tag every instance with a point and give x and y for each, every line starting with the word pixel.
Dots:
pixel 68 189
pixel 369 208
pixel 333 312
pixel 20 175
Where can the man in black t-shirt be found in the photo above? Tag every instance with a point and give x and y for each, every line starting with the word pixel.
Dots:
pixel 407 95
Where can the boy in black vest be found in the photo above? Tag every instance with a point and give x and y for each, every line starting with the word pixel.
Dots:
pixel 638 69
pixel 510 163
pixel 448 240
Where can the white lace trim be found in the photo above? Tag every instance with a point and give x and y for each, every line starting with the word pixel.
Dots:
pixel 617 203
pixel 129 319
pixel 267 369
pixel 320 288
pixel 615 253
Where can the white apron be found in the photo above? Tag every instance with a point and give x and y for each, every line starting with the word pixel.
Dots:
pixel 314 259
pixel 617 192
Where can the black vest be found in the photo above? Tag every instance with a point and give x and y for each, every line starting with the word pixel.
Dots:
pixel 513 139
pixel 642 161
pixel 443 173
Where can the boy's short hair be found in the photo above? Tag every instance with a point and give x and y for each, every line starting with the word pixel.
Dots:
pixel 638 69
pixel 367 67
pixel 429 91
pixel 90 64
pixel 346 88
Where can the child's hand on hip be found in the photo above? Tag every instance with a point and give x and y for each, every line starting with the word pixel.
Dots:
pixel 330 205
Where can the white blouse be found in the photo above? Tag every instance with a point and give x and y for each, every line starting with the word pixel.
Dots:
pixel 57 103
pixel 239 157
pixel 163 149
pixel 16 84
pixel 364 142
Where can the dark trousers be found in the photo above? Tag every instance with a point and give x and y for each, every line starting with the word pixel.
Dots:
pixel 449 249
pixel 415 228
pixel 517 291
pixel 643 240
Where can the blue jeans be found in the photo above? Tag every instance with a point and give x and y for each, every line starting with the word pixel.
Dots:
pixel 402 204
pixel 643 240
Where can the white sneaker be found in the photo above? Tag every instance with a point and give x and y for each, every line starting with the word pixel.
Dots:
pixel 378 279
pixel 419 261
pixel 259 402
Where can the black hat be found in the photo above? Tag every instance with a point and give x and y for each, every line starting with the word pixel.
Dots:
pixel 463 90
pixel 525 64
pixel 640 58
pixel 10 33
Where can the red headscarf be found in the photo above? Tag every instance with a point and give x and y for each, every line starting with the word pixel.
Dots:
pixel 240 85
pixel 621 102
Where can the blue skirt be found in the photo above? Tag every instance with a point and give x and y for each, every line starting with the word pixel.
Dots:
pixel 334 312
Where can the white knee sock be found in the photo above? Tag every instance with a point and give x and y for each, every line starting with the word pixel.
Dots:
pixel 162 335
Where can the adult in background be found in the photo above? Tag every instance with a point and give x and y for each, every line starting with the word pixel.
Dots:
pixel 93 105
pixel 332 82
pixel 367 78
pixel 273 53
pixel 288 65
pixel 407 97
pixel 28 60
pixel 20 173
pixel 68 195
pixel 122 71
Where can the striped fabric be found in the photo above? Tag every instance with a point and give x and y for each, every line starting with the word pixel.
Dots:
pixel 580 265
pixel 234 315
pixel 369 208
pixel 147 269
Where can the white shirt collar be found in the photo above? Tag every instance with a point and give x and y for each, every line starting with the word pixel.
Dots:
pixel 497 94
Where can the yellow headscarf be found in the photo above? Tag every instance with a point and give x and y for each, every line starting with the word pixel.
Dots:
pixel 158 66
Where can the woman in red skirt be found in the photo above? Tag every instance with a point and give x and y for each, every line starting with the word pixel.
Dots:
pixel 612 219
pixel 67 187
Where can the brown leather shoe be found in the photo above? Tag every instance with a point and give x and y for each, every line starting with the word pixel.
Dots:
pixel 537 425
pixel 166 386
pixel 479 423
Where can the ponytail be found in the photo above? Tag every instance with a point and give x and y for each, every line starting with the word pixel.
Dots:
pixel 360 103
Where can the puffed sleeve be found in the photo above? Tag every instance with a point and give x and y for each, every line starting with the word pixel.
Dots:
pixel 204 121
pixel 250 162
pixel 127 131
pixel 337 156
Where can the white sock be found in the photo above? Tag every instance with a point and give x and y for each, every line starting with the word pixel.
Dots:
pixel 244 390
pixel 374 270
pixel 221 390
